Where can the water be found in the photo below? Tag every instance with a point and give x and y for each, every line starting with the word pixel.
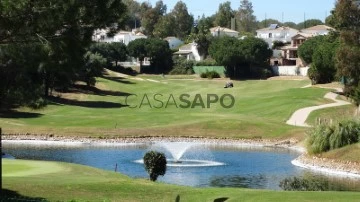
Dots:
pixel 256 168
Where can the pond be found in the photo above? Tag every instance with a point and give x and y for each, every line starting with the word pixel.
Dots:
pixel 200 165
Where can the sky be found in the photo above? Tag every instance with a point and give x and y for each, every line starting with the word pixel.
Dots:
pixel 282 10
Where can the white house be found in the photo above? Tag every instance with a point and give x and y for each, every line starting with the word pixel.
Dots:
pixel 173 42
pixel 189 51
pixel 318 30
pixel 121 36
pixel 276 33
pixel 222 31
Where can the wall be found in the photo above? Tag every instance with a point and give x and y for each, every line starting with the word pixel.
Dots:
pixel 290 70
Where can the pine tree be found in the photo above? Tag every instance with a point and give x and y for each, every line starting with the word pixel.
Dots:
pixel 246 18
pixel 347 14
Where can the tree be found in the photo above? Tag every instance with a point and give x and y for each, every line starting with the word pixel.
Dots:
pixel 290 24
pixel 160 55
pixel 151 17
pixel 241 58
pixel 132 19
pixel 348 55
pixel 246 18
pixel 155 164
pixel 183 20
pixel 225 50
pixel 56 35
pixel 113 52
pixel 257 54
pixel 323 66
pixel 118 52
pixel 331 19
pixel 202 36
pixel 224 15
pixel 307 49
pixel 267 22
pixel 309 23
pixel 137 49
pixel 165 27
pixel 93 67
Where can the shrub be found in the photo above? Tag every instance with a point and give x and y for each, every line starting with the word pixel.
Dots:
pixel 155 164
pixel 203 75
pixel 318 140
pixel 313 75
pixel 207 62
pixel 210 75
pixel 323 138
pixel 182 66
pixel 346 132
pixel 277 45
pixel 303 184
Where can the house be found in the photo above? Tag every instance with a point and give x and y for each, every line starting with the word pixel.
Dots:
pixel 318 30
pixel 222 31
pixel 173 42
pixel 189 51
pixel 121 36
pixel 276 33
pixel 289 53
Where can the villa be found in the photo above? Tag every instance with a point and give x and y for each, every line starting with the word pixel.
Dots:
pixel 276 33
pixel 189 51
pixel 318 30
pixel 121 36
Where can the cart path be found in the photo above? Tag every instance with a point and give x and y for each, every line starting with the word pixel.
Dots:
pixel 299 117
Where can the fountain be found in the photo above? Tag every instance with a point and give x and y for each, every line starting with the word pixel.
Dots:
pixel 177 150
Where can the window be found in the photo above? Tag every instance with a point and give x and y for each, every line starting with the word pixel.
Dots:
pixel 270 35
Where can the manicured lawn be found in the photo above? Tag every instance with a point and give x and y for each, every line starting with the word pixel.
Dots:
pixel 348 153
pixel 82 183
pixel 332 114
pixel 261 110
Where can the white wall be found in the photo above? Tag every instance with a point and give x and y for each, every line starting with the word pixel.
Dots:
pixel 277 35
pixel 290 70
pixel 222 33
pixel 123 37
pixel 316 32
pixel 195 52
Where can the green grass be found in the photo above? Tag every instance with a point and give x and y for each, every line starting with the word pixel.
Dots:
pixel 348 153
pixel 332 114
pixel 82 183
pixel 261 110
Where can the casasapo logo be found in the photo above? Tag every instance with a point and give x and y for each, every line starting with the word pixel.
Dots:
pixel 182 101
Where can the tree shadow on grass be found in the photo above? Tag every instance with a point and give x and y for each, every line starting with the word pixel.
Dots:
pixel 87 104
pixel 9 195
pixel 12 114
pixel 118 79
pixel 223 199
pixel 77 88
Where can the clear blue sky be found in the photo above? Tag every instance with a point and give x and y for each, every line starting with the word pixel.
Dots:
pixel 292 10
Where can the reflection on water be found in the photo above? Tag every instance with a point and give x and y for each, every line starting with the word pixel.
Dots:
pixel 240 181
pixel 247 167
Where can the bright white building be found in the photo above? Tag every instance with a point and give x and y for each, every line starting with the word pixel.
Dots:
pixel 276 33
pixel 189 51
pixel 121 36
